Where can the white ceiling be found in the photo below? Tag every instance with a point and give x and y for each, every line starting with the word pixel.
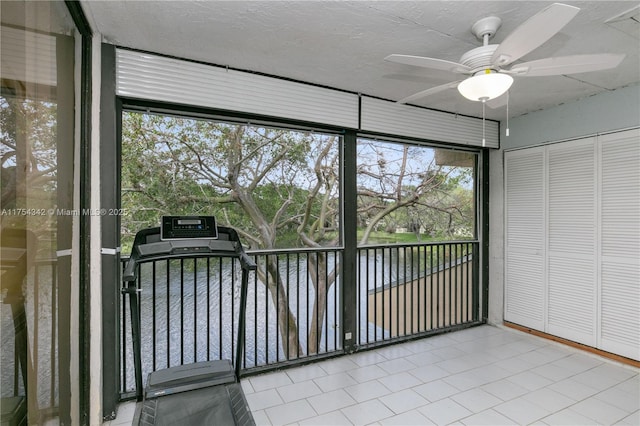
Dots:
pixel 341 44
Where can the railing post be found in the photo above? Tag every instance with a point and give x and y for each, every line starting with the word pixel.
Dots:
pixel 132 290
pixel 350 257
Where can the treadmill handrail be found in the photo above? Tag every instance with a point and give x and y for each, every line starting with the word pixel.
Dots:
pixel 189 248
pixel 130 271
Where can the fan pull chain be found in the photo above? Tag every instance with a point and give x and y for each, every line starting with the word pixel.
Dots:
pixel 507 132
pixel 483 106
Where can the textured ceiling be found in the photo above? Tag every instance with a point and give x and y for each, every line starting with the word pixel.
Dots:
pixel 342 44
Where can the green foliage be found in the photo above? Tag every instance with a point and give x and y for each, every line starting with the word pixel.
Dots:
pixel 401 188
pixel 281 188
pixel 28 165
pixel 252 178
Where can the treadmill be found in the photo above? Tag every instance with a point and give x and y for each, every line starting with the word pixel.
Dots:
pixel 201 393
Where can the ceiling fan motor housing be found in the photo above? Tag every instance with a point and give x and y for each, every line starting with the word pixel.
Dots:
pixel 479 58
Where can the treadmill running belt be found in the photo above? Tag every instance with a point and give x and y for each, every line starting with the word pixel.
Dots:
pixel 217 405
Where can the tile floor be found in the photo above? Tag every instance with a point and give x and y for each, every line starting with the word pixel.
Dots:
pixel 480 376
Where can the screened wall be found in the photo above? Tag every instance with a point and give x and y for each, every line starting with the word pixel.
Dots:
pixel 38 154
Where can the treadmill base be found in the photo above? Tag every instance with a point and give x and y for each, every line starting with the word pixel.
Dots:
pixel 216 405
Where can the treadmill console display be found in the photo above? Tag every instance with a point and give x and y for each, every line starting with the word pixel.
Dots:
pixel 188 227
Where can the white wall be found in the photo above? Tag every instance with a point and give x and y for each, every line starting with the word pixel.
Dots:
pixel 606 112
pixel 615 110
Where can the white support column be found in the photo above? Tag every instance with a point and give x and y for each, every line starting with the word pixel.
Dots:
pixel 496 238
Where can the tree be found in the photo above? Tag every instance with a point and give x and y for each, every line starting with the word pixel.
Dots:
pixel 402 186
pixel 258 179
pixel 277 187
pixel 28 163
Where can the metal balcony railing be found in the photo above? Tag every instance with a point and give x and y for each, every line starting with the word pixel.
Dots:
pixel 39 320
pixel 188 310
pixel 408 290
pixel 188 307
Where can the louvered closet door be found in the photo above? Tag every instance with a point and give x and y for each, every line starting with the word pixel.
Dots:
pixel 620 243
pixel 572 235
pixel 524 248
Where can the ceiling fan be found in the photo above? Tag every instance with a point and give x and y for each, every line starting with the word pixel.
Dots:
pixel 491 66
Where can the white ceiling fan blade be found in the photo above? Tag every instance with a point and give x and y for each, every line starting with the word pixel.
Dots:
pixel 533 33
pixel 567 65
pixel 433 63
pixel 428 92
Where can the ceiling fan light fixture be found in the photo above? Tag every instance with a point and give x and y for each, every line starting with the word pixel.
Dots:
pixel 485 86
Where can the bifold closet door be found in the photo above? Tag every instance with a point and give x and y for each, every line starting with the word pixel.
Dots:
pixel 572 241
pixel 525 238
pixel 620 243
